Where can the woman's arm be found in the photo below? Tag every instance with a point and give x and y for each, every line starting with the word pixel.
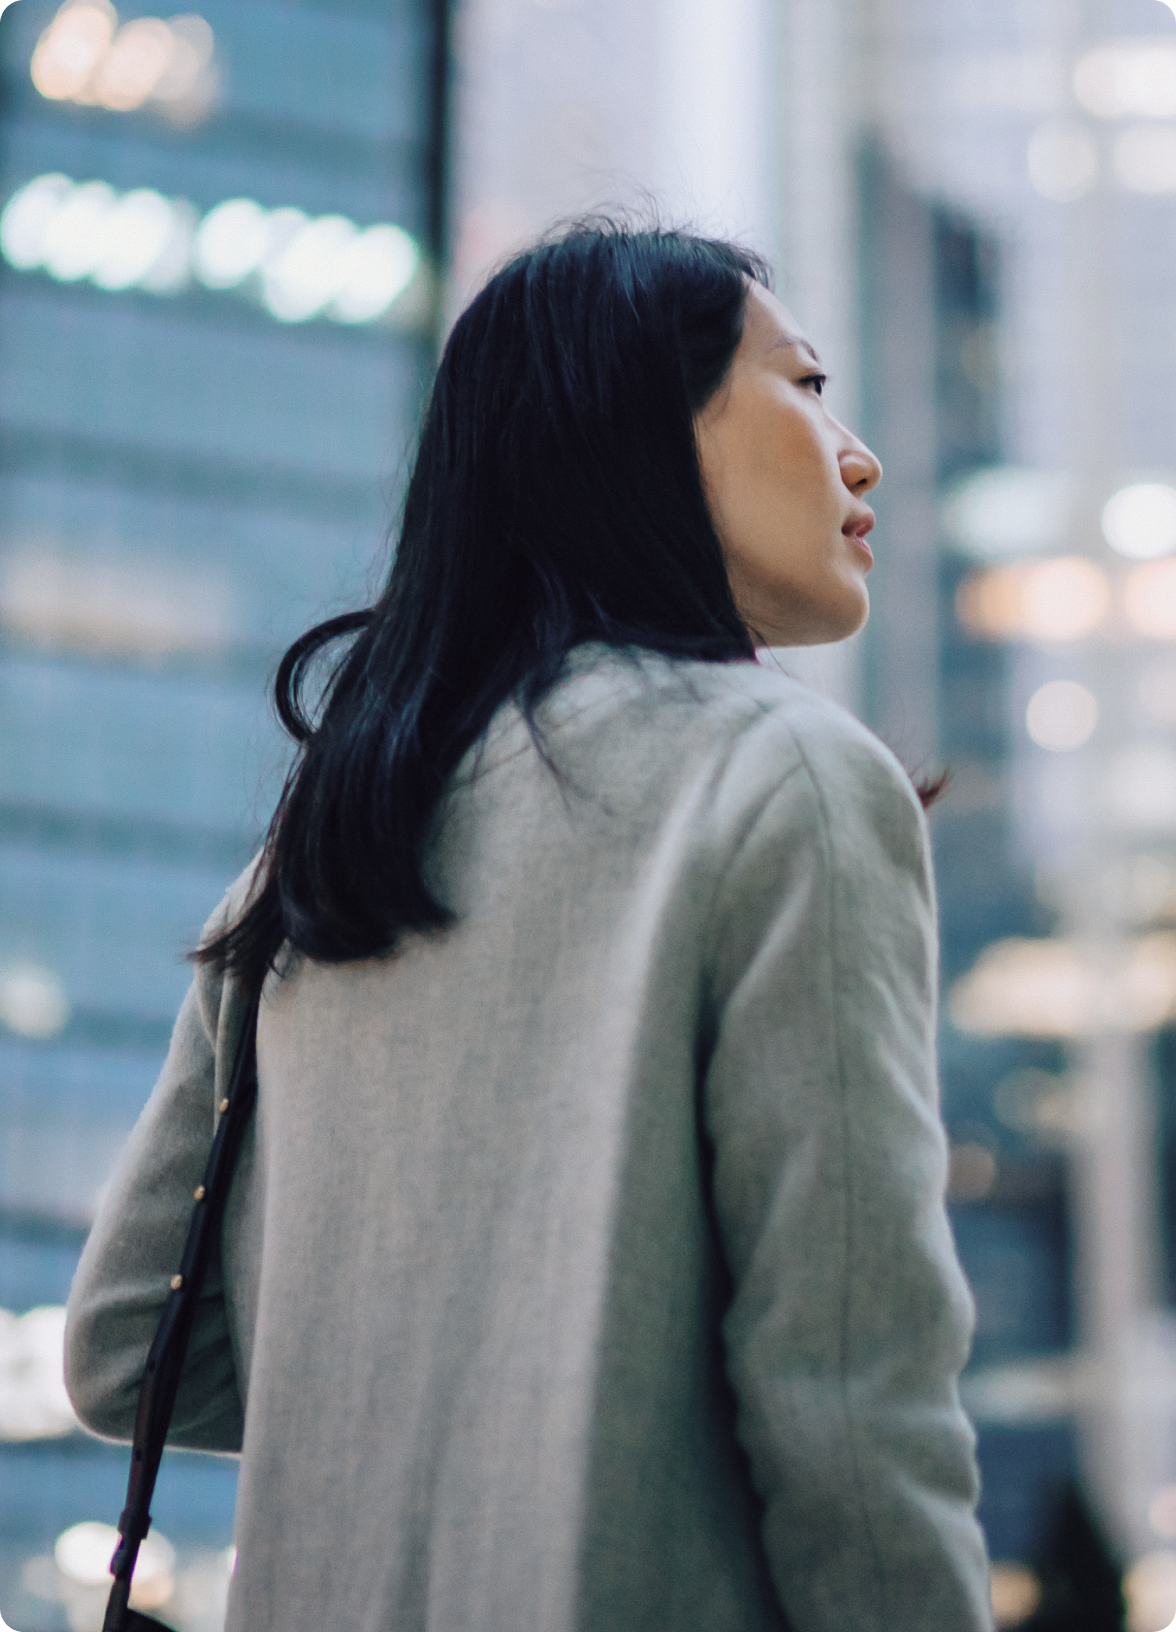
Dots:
pixel 850 1318
pixel 134 1248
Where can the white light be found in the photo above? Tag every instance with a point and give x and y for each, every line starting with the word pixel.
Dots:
pixel 73 237
pixel 71 48
pixel 1010 510
pixel 1140 521
pixel 1149 1587
pixel 1157 692
pixel 308 267
pixel 170 271
pixel 1140 888
pixel 83 1553
pixel 378 267
pixel 81 58
pixel 192 47
pixel 1149 599
pixel 972 1172
pixel 1062 161
pixel 1128 79
pixel 137 60
pixel 1140 788
pixel 33 1401
pixel 1061 716
pixel 230 243
pixel 1062 988
pixel 133 238
pixel 32 1002
pixel 26 219
pixel 1161 1515
pixel 103 606
pixel 303 278
pixel 1039 1103
pixel 1063 599
pixel 1050 601
pixel 1015 1593
pixel 1145 159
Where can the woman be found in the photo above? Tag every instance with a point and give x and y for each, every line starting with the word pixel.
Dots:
pixel 587 1265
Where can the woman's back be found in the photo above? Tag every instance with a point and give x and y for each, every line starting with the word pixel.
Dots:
pixel 647 1138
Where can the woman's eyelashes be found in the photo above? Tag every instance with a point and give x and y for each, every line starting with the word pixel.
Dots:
pixel 817 381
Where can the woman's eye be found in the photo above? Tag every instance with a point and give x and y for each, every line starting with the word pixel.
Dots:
pixel 817 381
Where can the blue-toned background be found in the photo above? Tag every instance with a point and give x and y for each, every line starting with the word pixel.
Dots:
pixel 185 483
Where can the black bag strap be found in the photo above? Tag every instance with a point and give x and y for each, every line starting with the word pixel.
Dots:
pixel 165 1358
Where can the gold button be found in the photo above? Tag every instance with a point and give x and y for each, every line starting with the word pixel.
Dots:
pixel 223 1106
pixel 199 1192
pixel 176 1282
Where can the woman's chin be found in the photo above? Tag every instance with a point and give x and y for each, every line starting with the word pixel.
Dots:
pixel 822 625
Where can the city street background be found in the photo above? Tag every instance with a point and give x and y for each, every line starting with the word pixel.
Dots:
pixel 231 242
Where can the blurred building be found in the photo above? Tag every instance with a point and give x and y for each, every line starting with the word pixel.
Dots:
pixel 217 255
pixel 931 411
pixel 1030 153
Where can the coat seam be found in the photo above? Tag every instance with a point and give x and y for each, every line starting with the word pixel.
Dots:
pixel 750 823
pixel 846 1315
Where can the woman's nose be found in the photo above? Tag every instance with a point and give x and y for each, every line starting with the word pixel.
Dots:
pixel 860 469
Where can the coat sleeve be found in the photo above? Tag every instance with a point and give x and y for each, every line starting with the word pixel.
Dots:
pixel 850 1318
pixel 137 1239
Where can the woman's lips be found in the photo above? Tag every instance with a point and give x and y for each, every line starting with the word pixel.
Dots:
pixel 856 532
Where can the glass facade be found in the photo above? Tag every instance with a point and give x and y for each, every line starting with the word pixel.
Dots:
pixel 933 307
pixel 216 324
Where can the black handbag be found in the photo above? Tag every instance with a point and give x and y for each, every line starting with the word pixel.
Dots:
pixel 165 1358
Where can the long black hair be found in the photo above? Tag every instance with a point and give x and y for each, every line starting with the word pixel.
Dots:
pixel 556 498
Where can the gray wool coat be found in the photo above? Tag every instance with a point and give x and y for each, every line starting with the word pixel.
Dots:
pixel 587 1268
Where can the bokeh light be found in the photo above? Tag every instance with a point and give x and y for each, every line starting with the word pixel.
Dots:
pixel 1161 1514
pixel 1062 161
pixel 1016 1594
pixel 972 1172
pixel 26 218
pixel 135 234
pixel 230 243
pixel 1139 787
pixel 301 266
pixel 83 1553
pixel 1139 521
pixel 188 82
pixel 135 63
pixel 1145 159
pixel 33 1401
pixel 1157 692
pixel 1149 599
pixel 32 1002
pixel 71 48
pixel 1061 716
pixel 83 56
pixel 1149 1589
pixel 1059 600
pixel 300 281
pixel 74 237
pixel 1010 510
pixel 1059 987
pixel 1128 79
pixel 378 266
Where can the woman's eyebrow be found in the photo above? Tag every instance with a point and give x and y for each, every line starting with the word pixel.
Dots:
pixel 796 341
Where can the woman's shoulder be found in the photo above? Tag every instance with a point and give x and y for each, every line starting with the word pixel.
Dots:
pixel 727 737
pixel 771 726
pixel 793 747
pixel 216 993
